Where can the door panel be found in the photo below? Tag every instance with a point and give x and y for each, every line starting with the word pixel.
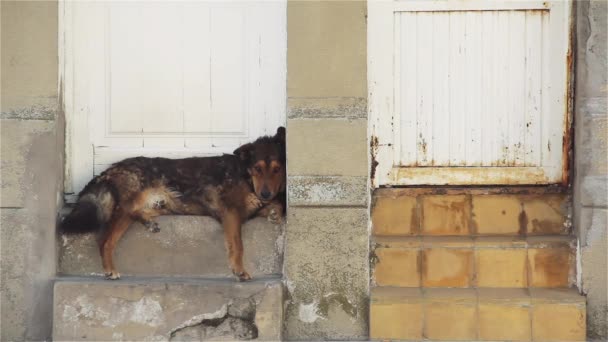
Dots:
pixel 169 79
pixel 462 92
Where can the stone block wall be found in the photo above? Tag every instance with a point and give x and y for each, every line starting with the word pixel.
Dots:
pixel 32 167
pixel 326 246
pixel 591 159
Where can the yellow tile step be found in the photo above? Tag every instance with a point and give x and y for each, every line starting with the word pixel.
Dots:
pixel 483 314
pixel 470 262
pixel 460 212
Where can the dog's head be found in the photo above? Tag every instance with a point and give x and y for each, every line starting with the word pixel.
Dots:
pixel 265 163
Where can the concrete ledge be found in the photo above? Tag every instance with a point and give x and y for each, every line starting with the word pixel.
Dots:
pixel 185 246
pixel 327 191
pixel 166 310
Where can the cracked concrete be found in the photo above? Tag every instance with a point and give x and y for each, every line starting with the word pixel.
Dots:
pixel 167 310
pixel 234 321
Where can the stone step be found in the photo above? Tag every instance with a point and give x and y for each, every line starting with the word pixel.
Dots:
pixel 484 314
pixel 458 212
pixel 469 262
pixel 166 309
pixel 191 246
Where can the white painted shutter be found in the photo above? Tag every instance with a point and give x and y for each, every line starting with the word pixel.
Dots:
pixel 170 78
pixel 469 92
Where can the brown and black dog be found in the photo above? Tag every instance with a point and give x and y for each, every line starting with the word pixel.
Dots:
pixel 230 188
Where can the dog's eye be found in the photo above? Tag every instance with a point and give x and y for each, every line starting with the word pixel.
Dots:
pixel 257 169
pixel 276 170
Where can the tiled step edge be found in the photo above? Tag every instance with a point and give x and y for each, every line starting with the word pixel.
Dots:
pixel 419 211
pixel 485 314
pixel 541 261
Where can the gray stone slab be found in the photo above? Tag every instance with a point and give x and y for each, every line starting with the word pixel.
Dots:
pixel 185 246
pixel 166 310
pixel 327 274
pixel 327 191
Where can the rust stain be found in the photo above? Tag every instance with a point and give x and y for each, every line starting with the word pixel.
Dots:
pixel 523 223
pixel 567 140
pixel 414 219
pixel 445 215
pixel 373 145
pixel 422 146
pixel 422 264
pixel 546 227
pixel 551 268
pixel 473 228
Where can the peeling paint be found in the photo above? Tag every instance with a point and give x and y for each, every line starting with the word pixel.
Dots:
pixel 83 310
pixel 43 111
pixel 330 299
pixel 327 190
pixel 146 311
pixel 327 107
pixel 291 287
pixel 309 313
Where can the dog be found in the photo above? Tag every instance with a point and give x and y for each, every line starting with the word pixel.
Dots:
pixel 230 188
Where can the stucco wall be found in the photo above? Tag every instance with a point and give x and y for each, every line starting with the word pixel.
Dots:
pixel 591 164
pixel 326 246
pixel 32 167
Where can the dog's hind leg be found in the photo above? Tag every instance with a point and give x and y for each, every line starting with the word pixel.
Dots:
pixel 118 225
pixel 150 204
pixel 231 221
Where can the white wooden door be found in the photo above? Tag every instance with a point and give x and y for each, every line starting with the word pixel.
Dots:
pixel 469 92
pixel 169 78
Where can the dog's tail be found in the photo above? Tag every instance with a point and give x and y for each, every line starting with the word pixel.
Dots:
pixel 93 209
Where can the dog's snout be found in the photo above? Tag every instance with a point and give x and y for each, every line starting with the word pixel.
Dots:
pixel 265 193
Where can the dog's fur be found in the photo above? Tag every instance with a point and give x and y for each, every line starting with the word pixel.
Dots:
pixel 230 188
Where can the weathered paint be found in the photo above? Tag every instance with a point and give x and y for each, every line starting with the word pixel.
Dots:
pixel 494 190
pixel 479 92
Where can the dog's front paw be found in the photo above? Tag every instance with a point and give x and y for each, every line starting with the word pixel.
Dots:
pixel 113 275
pixel 253 202
pixel 242 276
pixel 275 215
pixel 152 226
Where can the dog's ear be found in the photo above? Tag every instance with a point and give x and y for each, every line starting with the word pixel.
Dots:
pixel 280 136
pixel 244 153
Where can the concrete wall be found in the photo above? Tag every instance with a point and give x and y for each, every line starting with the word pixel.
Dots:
pixel 326 246
pixel 32 167
pixel 591 164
